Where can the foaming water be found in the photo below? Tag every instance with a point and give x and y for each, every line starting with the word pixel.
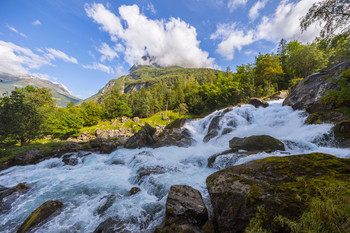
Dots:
pixel 97 188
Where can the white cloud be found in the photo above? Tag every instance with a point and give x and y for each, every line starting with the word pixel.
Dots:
pixel 150 8
pixel 231 39
pixel 16 31
pixel 234 4
pixel 16 60
pixel 101 67
pixel 284 23
pixel 54 53
pixel 254 11
pixel 36 23
pixel 107 52
pixel 172 42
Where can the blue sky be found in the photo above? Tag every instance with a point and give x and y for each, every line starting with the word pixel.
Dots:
pixel 84 44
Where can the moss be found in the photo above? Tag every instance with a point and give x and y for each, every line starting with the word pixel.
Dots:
pixel 313 118
pixel 253 195
pixel 208 227
pixel 241 179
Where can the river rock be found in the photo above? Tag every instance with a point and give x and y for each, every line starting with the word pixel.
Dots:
pixel 113 224
pixel 274 184
pixel 67 148
pixel 256 143
pixel 185 206
pixel 215 126
pixel 109 202
pixel 142 138
pixel 134 190
pixel 10 195
pixel 258 103
pixel 40 215
pixel 308 93
pixel 174 137
pixel 277 96
pixel 28 157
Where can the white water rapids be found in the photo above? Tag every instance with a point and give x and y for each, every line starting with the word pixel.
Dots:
pixel 85 188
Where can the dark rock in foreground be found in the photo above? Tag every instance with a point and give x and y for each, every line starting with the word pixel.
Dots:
pixel 256 143
pixel 10 195
pixel 40 215
pixel 143 138
pixel 185 210
pixel 258 103
pixel 280 186
pixel 134 190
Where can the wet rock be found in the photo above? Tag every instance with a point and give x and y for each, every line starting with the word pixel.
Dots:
pixel 256 143
pixel 174 137
pixel 258 103
pixel 342 133
pixel 73 159
pixel 147 171
pixel 277 96
pixel 28 157
pixel 215 126
pixel 109 202
pixel 226 131
pixel 185 206
pixel 109 147
pixel 177 124
pixel 308 93
pixel 10 195
pixel 274 185
pixel 69 147
pixel 40 215
pixel 134 190
pixel 143 138
pixel 113 224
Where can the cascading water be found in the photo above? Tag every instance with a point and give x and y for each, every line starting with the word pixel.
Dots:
pixel 97 188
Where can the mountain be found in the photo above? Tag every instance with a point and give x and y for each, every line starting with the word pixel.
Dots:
pixel 146 76
pixel 60 94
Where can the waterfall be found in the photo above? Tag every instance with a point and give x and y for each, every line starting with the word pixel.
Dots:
pixel 97 188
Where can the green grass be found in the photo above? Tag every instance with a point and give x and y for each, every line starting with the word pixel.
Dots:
pixel 9 153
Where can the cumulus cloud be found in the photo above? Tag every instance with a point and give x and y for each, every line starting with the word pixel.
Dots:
pixel 234 4
pixel 101 67
pixel 16 31
pixel 150 8
pixel 231 39
pixel 36 22
pixel 172 42
pixel 284 23
pixel 54 53
pixel 16 60
pixel 108 53
pixel 254 11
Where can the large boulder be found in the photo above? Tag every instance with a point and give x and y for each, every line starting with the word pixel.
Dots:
pixel 256 102
pixel 256 143
pixel 174 135
pixel 277 96
pixel 215 126
pixel 28 157
pixel 40 215
pixel 185 210
pixel 143 138
pixel 266 190
pixel 67 148
pixel 10 195
pixel 308 93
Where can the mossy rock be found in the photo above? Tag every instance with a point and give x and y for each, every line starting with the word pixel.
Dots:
pixel 178 123
pixel 282 186
pixel 40 215
pixel 256 143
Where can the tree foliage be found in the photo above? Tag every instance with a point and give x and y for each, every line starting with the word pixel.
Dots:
pixel 332 16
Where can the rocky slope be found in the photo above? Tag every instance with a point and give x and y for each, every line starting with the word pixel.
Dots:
pixel 325 95
pixel 59 93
